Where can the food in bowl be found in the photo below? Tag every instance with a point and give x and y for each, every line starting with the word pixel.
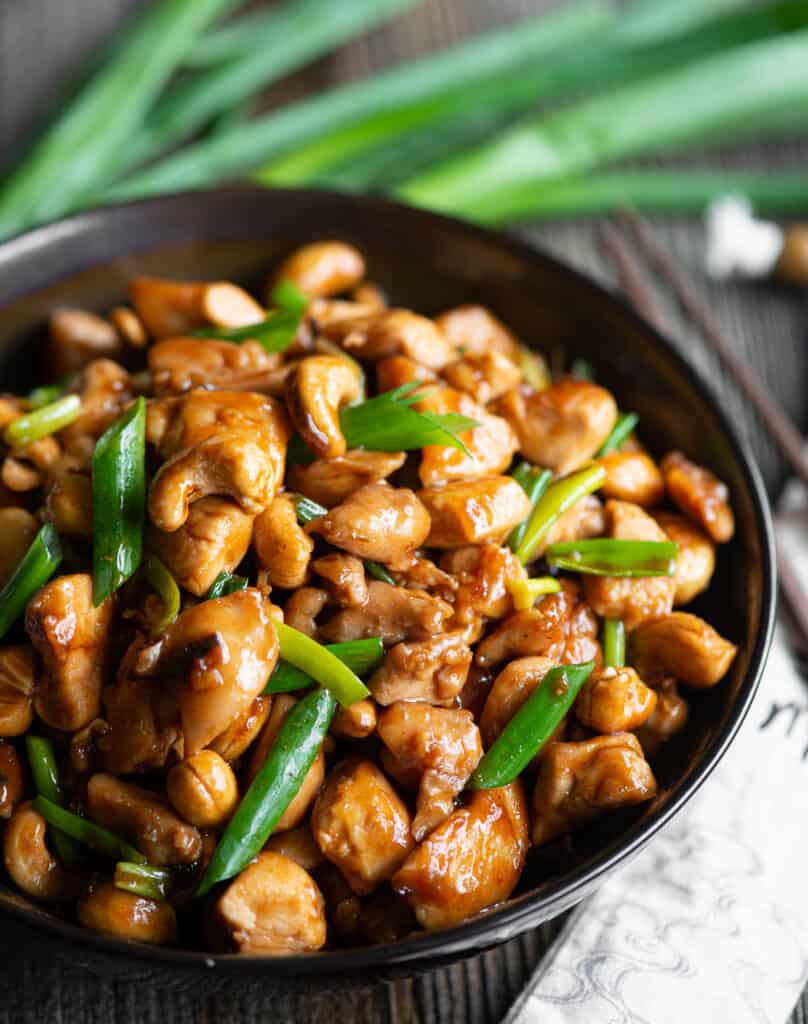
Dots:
pixel 317 617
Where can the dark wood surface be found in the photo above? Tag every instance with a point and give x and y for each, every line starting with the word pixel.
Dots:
pixel 40 41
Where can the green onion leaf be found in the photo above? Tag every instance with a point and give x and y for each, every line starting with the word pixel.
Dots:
pixel 531 727
pixel 626 422
pixel 119 501
pixel 582 369
pixel 45 772
pixel 534 482
pixel 44 396
pixel 607 557
pixel 317 661
pixel 166 586
pixel 378 572
pixel 224 584
pixel 38 564
pixel 361 657
pixel 307 510
pixel 143 880
pixel 43 421
pixel 87 832
pixel 614 643
pixel 525 593
pixel 273 788
pixel 286 295
pixel 558 497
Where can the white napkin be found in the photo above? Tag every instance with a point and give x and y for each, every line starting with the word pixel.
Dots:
pixel 709 924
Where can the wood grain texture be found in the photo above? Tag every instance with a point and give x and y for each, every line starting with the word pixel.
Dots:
pixel 43 45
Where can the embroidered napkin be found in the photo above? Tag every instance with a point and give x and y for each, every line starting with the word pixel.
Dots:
pixel 709 924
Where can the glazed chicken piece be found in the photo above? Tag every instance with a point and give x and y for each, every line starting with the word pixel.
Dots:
pixel 388 332
pixel 475 330
pixel 585 519
pixel 298 845
pixel 393 613
pixel 75 338
pixel 668 718
pixel 579 781
pixel 173 309
pixel 484 375
pixel 377 522
pixel 106 908
pixel 273 908
pixel 17 529
pixel 632 476
pixel 563 426
pixel 144 818
pixel 213 539
pixel 700 495
pixel 474 511
pixel 695 562
pixel 71 636
pixel 282 545
pixel 541 630
pixel 29 466
pixel 106 390
pixel 344 576
pixel 632 600
pixel 243 731
pixel 433 670
pixel 512 687
pixel 471 861
pixel 683 646
pixel 442 745
pixel 361 824
pixel 303 607
pixel 484 573
pixel 330 481
pixel 614 700
pixel 12 780
pixel 69 503
pixel 180 364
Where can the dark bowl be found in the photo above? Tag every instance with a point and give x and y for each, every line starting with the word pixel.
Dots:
pixel 429 263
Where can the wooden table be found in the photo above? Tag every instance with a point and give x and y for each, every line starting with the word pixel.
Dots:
pixel 39 39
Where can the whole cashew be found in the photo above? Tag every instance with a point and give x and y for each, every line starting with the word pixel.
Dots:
pixel 316 390
pixel 127 916
pixel 174 308
pixel 322 269
pixel 30 863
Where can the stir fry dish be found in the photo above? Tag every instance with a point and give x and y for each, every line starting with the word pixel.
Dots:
pixel 320 617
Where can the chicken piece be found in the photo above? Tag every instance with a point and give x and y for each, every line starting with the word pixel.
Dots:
pixel 361 824
pixel 172 309
pixel 471 861
pixel 303 607
pixel 69 503
pixel 12 780
pixel 668 718
pixel 614 700
pixel 489 446
pixel 144 818
pixel 473 512
pixel 273 908
pixel 431 670
pixel 106 908
pixel 345 578
pixel 213 539
pixel 379 522
pixel 484 573
pixel 71 636
pixel 683 646
pixel 700 495
pixel 298 845
pixel 581 629
pixel 563 426
pixel 356 721
pixel 512 687
pixel 106 389
pixel 243 732
pixel 483 375
pixel 329 482
pixel 84 752
pixel 282 704
pixel 282 545
pixel 393 613
pixel 323 269
pixel 386 917
pixel 393 371
pixel 474 330
pixel 442 745
pixel 632 476
pixel 17 530
pixel 180 364
pixel 695 562
pixel 632 600
pixel 541 630
pixel 375 334
pixel 578 781
pixel 75 338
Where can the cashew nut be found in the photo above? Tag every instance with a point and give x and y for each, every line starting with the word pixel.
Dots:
pixel 26 467
pixel 76 338
pixel 16 689
pixel 129 326
pixel 322 269
pixel 69 504
pixel 203 788
pixel 175 308
pixel 112 911
pixel 30 863
pixel 232 743
pixel 316 390
pixel 17 529
pixel 12 779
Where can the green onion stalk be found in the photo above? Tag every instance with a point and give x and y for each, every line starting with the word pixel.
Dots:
pixel 38 564
pixel 604 556
pixel 145 880
pixel 87 832
pixel 360 656
pixel 559 496
pixel 41 422
pixel 45 772
pixel 324 667
pixel 614 642
pixel 626 422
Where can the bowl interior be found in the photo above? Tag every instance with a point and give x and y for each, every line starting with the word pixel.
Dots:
pixel 430 263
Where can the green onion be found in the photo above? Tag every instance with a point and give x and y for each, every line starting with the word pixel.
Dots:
pixel 277 332
pixel 224 584
pixel 722 97
pixel 515 46
pixel 307 510
pixel 525 593
pixel 626 422
pixel 534 369
pixel 531 727
pixel 77 152
pixel 119 501
pixel 143 880
pixel 378 572
pixel 87 832
pixel 168 591
pixel 43 421
pixel 38 564
pixel 534 483
pixel 45 773
pixel 614 642
pixel 606 557
pixel 582 369
pixel 317 661
pixel 44 396
pixel 558 497
pixel 361 657
pixel 273 788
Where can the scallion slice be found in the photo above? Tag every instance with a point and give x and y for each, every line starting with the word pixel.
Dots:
pixel 307 510
pixel 525 593
pixel 38 564
pixel 361 657
pixel 317 661
pixel 42 760
pixel 277 332
pixel 534 483
pixel 626 422
pixel 614 642
pixel 43 421
pixel 558 497
pixel 226 583
pixel 604 556
pixel 145 880
pixel 87 832
pixel 168 591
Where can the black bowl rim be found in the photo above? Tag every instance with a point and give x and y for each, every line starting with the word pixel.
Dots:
pixel 429 949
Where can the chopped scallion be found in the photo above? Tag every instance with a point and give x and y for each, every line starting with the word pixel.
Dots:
pixel 603 556
pixel 43 421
